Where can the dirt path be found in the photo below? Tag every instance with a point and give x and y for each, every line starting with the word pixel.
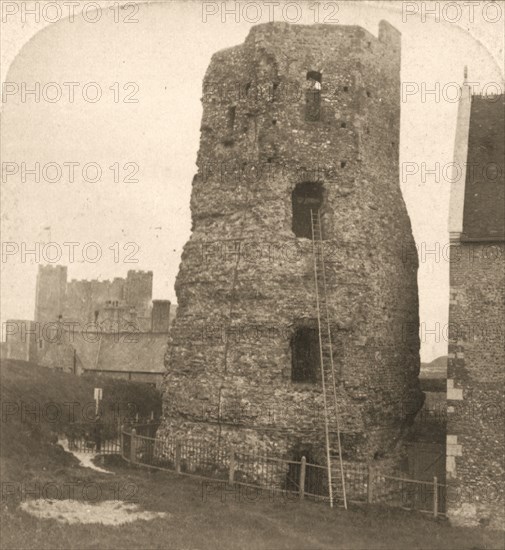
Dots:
pixel 85 459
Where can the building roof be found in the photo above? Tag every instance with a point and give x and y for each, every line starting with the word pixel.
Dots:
pixel 135 352
pixel 484 200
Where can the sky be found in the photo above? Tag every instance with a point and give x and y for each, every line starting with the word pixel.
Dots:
pixel 148 62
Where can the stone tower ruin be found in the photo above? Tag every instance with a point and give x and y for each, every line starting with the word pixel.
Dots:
pixel 297 118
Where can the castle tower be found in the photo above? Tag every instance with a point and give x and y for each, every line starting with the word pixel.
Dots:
pixel 297 118
pixel 139 289
pixel 50 293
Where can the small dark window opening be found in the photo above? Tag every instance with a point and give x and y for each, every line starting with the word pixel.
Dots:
pixel 274 121
pixel 368 94
pixel 305 355
pixel 313 97
pixel 306 197
pixel 96 316
pixel 346 88
pixel 231 117
pixel 316 76
pixel 342 164
pixel 343 125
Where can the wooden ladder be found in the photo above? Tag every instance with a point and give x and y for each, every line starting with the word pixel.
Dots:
pixel 325 341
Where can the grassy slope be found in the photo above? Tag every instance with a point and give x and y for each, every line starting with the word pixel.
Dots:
pixel 225 521
pixel 22 381
pixel 34 411
pixel 220 521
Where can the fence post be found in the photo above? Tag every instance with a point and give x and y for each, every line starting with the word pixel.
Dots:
pixel 231 473
pixel 121 440
pixel 435 497
pixel 178 457
pixel 369 493
pixel 133 446
pixel 302 478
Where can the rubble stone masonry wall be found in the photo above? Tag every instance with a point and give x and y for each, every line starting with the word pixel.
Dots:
pixel 475 385
pixel 246 281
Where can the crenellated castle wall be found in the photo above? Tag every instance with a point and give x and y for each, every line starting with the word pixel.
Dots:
pixel 122 301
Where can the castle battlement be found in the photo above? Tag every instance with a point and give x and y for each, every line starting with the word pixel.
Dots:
pixel 51 267
pixel 139 272
pixel 95 281
pixel 494 96
pixel 89 300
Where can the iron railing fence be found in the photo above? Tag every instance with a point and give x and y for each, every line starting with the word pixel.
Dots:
pixel 92 437
pixel 364 483
pixel 410 494
pixel 104 437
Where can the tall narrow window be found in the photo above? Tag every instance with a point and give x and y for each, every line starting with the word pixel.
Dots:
pixel 305 355
pixel 313 96
pixel 231 117
pixel 306 197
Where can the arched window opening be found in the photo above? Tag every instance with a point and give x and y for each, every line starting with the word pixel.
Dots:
pixel 305 360
pixel 306 197
pixel 313 96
